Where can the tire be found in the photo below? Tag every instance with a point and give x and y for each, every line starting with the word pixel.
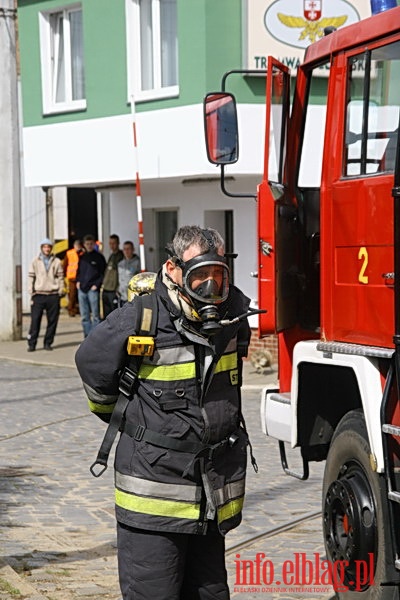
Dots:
pixel 354 524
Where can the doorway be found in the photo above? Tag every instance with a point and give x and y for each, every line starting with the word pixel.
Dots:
pixel 82 213
pixel 222 221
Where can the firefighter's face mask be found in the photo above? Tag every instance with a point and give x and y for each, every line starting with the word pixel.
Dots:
pixel 205 278
pixel 205 283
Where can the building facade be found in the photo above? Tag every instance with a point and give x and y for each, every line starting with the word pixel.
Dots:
pixel 90 68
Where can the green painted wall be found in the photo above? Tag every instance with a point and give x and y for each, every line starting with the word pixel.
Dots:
pixel 210 43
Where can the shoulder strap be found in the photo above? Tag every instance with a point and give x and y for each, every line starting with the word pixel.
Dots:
pixel 146 324
pixel 147 314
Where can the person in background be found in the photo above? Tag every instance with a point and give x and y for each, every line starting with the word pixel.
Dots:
pixel 46 287
pixel 110 281
pixel 127 268
pixel 71 262
pixel 89 278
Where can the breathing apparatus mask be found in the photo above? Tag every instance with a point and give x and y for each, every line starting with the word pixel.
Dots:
pixel 205 281
pixel 205 284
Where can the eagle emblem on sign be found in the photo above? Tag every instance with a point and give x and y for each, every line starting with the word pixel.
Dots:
pixel 311 24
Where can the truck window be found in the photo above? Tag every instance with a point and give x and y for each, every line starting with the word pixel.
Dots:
pixel 308 198
pixel 278 119
pixel 310 168
pixel 372 119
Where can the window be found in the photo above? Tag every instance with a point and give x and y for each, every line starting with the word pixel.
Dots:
pixel 63 74
pixel 372 111
pixel 310 169
pixel 152 48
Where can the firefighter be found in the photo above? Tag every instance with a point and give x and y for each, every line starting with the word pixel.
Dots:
pixel 181 458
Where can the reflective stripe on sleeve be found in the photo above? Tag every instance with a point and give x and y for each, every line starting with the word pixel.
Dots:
pixel 230 510
pixel 100 403
pixel 104 409
pixel 227 362
pixel 235 489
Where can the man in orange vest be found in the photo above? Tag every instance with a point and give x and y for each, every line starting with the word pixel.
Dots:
pixel 70 268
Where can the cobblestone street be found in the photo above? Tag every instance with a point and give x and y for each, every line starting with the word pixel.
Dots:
pixel 56 520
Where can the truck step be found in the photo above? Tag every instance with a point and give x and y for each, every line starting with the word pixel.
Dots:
pixel 395 496
pixel 356 349
pixel 391 429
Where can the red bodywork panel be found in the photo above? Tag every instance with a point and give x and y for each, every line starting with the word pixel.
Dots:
pixel 357 253
pixel 356 214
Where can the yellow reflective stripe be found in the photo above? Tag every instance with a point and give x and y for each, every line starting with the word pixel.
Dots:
pixel 153 506
pixel 227 362
pixel 230 510
pixel 168 372
pixel 101 408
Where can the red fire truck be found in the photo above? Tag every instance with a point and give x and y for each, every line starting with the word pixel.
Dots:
pixel 329 279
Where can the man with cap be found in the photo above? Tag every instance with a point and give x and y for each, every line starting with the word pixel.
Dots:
pixel 45 286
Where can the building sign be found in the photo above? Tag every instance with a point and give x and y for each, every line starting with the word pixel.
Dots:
pixel 284 28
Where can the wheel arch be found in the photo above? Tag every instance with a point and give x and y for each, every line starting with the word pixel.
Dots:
pixel 324 389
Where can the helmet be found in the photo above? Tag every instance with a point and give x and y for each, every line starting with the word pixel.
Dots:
pixel 142 283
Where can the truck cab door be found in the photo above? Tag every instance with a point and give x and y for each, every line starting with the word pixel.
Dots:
pixel 276 212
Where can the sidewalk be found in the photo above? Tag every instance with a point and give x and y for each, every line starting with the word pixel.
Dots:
pixel 68 337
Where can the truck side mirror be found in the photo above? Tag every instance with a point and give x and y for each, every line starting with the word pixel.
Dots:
pixel 221 130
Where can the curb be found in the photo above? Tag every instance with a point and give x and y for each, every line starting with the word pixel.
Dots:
pixel 18 587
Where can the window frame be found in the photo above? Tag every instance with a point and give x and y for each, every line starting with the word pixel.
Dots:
pixel 365 102
pixel 49 79
pixel 133 55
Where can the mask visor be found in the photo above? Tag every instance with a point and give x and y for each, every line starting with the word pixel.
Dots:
pixel 208 282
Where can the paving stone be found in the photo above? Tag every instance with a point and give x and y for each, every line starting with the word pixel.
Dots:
pixel 57 527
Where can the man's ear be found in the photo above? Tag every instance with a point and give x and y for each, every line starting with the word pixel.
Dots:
pixel 170 267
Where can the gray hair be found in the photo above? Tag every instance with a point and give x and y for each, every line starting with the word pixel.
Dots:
pixel 192 235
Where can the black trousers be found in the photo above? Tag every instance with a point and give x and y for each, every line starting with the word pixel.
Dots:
pixel 110 302
pixel 41 303
pixel 171 566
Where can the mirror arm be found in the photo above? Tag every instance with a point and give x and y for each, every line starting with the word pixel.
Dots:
pixel 239 72
pixel 223 82
pixel 232 195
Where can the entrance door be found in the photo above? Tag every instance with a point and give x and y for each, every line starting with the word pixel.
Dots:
pixel 222 221
pixel 82 213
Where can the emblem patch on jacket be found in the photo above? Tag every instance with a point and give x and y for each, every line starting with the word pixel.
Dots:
pixel 234 375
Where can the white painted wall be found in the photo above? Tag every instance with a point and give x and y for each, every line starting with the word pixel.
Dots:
pixel 100 151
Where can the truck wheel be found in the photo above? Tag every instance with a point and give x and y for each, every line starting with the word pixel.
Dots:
pixel 354 527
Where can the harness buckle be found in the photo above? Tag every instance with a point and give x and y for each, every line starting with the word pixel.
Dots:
pixel 127 382
pixel 139 433
pixel 102 466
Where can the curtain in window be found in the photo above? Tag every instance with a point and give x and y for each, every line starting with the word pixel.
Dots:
pixel 77 64
pixel 57 27
pixel 169 43
pixel 146 44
